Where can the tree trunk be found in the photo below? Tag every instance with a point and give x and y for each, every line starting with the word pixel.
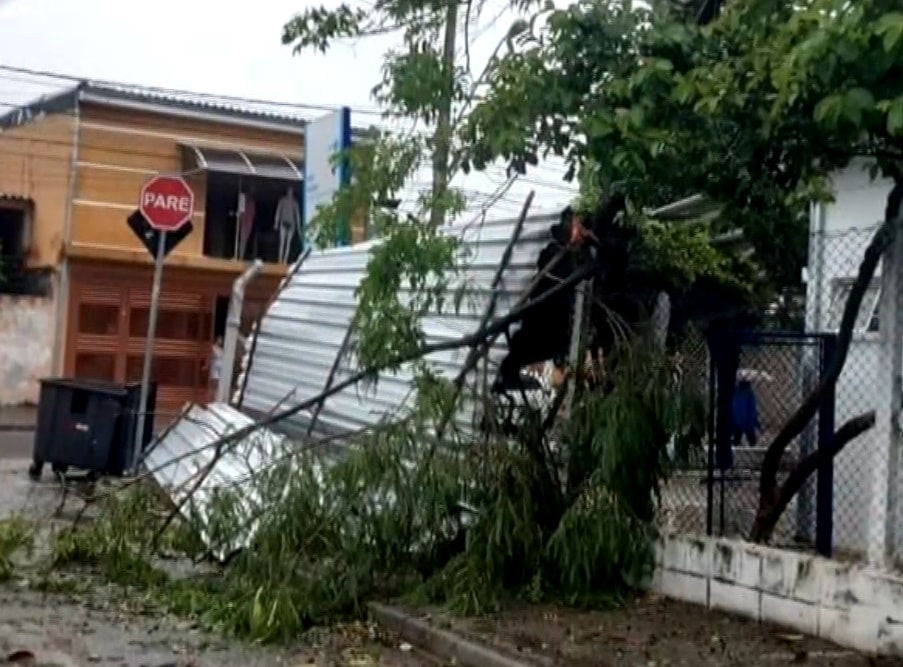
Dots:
pixel 770 496
pixel 767 520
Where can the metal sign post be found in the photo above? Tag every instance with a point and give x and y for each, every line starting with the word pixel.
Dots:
pixel 149 347
pixel 166 204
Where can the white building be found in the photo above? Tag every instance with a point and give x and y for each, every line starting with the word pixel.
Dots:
pixel 839 234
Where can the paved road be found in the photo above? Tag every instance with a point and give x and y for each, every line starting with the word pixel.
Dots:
pixel 16 444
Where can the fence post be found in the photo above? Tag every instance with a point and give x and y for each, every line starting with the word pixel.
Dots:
pixel 233 324
pixel 724 348
pixel 710 463
pixel 812 365
pixel 883 464
pixel 824 513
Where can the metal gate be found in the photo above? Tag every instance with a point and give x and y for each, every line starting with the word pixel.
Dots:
pixel 757 380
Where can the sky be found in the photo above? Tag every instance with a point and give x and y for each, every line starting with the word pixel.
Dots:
pixel 204 46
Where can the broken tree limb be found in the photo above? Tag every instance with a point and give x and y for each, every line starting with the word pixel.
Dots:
pixel 474 355
pixel 852 429
pixel 478 350
pixel 343 349
pixel 876 249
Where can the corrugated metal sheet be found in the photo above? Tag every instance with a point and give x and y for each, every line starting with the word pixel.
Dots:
pixel 184 452
pixel 302 332
pixel 201 102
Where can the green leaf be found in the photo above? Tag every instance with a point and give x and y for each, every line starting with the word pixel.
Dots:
pixel 828 110
pixel 684 90
pixel 895 117
pixel 621 159
pixel 890 27
pixel 811 48
pixel 857 102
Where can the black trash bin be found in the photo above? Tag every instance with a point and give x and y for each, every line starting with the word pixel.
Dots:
pixel 88 424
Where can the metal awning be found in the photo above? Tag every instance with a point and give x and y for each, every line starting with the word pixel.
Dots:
pixel 244 163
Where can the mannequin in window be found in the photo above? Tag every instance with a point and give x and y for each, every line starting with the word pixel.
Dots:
pixel 288 219
pixel 247 210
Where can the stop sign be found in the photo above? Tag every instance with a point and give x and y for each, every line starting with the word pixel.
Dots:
pixel 167 202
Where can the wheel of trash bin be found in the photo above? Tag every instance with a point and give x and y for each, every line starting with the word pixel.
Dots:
pixel 35 470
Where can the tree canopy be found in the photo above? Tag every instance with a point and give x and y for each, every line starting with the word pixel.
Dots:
pixel 754 110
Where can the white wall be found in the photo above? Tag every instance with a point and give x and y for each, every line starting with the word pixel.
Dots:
pixel 839 234
pixel 26 346
pixel 841 602
pixel 859 201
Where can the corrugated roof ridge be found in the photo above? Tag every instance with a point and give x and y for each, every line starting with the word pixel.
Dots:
pixel 193 101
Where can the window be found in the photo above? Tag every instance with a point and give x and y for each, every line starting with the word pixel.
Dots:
pixel 221 232
pixel 15 277
pixel 867 318
pixel 13 227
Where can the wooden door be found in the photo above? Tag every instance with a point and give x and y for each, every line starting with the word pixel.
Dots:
pixel 180 344
pixel 109 308
pixel 98 330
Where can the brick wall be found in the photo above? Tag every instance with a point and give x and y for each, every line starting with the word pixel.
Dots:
pixel 26 347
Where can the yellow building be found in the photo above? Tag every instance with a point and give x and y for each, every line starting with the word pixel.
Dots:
pixel 75 292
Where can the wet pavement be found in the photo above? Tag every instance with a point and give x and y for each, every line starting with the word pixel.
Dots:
pixel 17 426
pixel 18 418
pixel 16 444
pixel 97 626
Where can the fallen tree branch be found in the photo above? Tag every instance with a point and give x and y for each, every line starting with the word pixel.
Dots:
pixel 767 518
pixel 343 348
pixel 478 350
pixel 879 244
pixel 469 340
pixel 474 355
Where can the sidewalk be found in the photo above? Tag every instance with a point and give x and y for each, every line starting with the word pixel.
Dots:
pixel 18 418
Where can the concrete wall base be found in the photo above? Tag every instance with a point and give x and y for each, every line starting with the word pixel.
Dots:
pixel 849 604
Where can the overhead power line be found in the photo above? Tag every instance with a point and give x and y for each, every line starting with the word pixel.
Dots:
pixel 545 176
pixel 188 94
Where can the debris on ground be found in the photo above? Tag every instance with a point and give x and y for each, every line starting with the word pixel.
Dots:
pixel 647 631
pixel 93 625
pixel 65 632
pixel 186 463
pixel 74 619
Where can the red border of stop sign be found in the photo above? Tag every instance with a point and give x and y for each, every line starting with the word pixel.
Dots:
pixel 175 191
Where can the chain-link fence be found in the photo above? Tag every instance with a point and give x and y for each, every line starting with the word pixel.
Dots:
pixel 761 380
pixel 754 381
pixel 834 259
pixel 684 496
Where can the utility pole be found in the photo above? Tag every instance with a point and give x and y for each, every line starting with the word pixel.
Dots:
pixel 442 147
